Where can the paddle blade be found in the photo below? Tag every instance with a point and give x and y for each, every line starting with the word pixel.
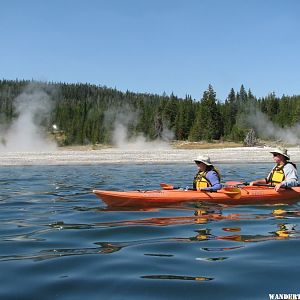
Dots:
pixel 166 186
pixel 234 193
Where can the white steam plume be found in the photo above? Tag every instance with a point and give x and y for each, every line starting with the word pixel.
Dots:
pixel 120 135
pixel 33 106
pixel 267 129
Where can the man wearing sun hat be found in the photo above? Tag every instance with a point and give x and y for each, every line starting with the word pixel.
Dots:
pixel 207 178
pixel 284 174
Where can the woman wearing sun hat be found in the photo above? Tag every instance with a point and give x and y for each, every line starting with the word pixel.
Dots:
pixel 207 178
pixel 284 174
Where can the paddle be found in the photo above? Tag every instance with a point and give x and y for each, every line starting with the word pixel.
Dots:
pixel 166 186
pixel 237 183
pixel 233 192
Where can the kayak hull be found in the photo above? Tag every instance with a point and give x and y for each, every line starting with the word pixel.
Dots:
pixel 156 198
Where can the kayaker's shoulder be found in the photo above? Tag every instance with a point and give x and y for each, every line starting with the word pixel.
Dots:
pixel 290 166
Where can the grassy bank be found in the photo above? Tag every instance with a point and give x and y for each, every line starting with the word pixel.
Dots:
pixel 204 145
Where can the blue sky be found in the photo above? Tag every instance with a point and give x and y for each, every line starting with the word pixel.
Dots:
pixel 155 46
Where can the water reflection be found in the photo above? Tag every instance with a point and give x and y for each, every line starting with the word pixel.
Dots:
pixel 283 231
pixel 212 259
pixel 199 216
pixel 177 277
pixel 208 216
pixel 158 254
pixel 103 248
pixel 52 227
pixel 60 225
pixel 287 231
pixel 221 249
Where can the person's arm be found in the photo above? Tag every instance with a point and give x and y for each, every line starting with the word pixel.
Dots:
pixel 291 177
pixel 259 181
pixel 213 177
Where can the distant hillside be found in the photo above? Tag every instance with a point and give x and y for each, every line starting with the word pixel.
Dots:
pixel 89 114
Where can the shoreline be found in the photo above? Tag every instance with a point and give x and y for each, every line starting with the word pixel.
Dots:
pixel 114 155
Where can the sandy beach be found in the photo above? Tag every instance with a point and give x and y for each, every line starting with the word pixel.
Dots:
pixel 113 155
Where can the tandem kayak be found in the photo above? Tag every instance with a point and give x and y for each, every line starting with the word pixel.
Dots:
pixel 237 196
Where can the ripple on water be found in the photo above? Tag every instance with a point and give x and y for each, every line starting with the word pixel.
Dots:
pixel 58 241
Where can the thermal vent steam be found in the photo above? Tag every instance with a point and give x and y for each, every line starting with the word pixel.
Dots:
pixel 267 129
pixel 26 133
pixel 121 136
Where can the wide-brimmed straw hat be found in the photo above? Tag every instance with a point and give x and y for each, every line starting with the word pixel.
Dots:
pixel 281 151
pixel 204 159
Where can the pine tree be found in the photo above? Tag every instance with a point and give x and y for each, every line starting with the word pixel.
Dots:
pixel 210 122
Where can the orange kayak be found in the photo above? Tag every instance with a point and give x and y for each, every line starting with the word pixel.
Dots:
pixel 238 196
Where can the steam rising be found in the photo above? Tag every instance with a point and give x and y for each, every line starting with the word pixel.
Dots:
pixel 122 139
pixel 26 133
pixel 266 129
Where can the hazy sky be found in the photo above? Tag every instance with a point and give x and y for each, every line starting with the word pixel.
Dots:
pixel 155 46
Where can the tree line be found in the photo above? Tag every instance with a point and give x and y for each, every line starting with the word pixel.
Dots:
pixel 87 114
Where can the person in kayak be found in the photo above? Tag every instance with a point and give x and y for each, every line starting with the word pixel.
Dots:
pixel 207 177
pixel 284 174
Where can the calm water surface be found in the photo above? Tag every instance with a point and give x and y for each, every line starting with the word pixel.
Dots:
pixel 58 241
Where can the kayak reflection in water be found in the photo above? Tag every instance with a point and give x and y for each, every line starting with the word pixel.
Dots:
pixel 208 177
pixel 284 231
pixel 284 174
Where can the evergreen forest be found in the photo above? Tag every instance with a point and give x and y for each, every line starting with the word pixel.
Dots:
pixel 88 114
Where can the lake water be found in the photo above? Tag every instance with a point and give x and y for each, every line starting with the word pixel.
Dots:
pixel 59 241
